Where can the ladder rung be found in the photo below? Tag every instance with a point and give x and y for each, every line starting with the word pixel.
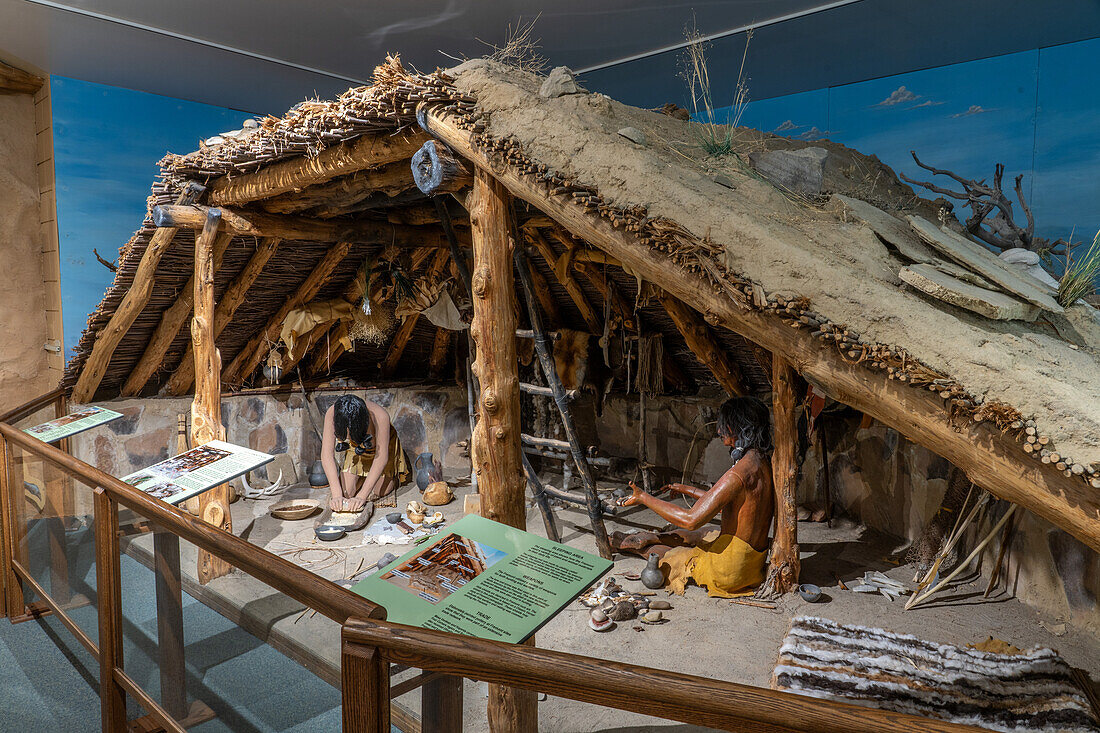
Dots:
pixel 545 391
pixel 534 450
pixel 553 444
pixel 527 333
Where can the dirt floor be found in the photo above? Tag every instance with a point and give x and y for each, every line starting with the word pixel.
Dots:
pixel 703 636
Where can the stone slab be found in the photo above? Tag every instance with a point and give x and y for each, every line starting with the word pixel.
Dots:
pixel 988 303
pixel 985 263
pixel 800 171
pixel 893 230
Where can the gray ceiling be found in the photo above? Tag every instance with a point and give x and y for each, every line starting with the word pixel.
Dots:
pixel 264 55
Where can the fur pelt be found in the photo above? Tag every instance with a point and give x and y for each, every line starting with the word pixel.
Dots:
pixel 571 358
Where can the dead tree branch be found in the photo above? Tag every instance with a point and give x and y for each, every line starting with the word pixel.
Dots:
pixel 109 265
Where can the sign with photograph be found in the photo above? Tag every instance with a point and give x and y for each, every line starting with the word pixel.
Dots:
pixel 192 472
pixel 483 579
pixel 73 423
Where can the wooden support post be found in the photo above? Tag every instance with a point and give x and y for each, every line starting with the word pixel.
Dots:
pixel 441 705
pixel 784 563
pixel 365 688
pixel 569 283
pixel 206 409
pixel 170 642
pixel 95 367
pixel 12 603
pixel 702 343
pixel 497 434
pixel 109 591
pixel 401 338
pixel 171 321
pixel 184 376
pixel 333 348
pixel 258 346
pixel 440 348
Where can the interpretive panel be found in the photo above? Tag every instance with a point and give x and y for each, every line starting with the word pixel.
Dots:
pixel 75 422
pixel 482 578
pixel 192 472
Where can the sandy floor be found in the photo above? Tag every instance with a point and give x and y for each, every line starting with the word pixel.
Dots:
pixel 704 636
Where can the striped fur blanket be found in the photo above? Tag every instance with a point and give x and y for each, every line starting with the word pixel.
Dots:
pixel 1032 691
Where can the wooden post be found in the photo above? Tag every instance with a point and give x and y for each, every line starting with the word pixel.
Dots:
pixel 15 529
pixel 497 434
pixel 184 376
pixel 170 642
pixel 8 581
pixel 784 564
pixel 702 343
pixel 440 348
pixel 569 283
pixel 206 409
pixel 365 688
pixel 441 705
pixel 109 590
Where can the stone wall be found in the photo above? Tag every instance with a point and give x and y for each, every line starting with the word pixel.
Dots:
pixel 427 419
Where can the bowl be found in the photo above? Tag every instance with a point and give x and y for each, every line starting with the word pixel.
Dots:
pixel 295 508
pixel 393 517
pixel 330 532
pixel 809 592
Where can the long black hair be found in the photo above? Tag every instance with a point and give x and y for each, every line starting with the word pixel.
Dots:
pixel 746 419
pixel 351 419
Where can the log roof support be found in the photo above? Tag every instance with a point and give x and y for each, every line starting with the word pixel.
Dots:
pixel 295 174
pixel 697 335
pixel 405 331
pixel 184 376
pixel 390 179
pixel 17 81
pixel 254 224
pixel 171 321
pixel 783 562
pixel 569 283
pixel 991 459
pixel 258 346
pixel 137 296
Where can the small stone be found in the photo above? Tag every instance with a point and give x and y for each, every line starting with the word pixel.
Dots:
pixel 598 621
pixel 660 605
pixel 633 134
pixel 559 83
pixel 623 611
pixel 652 617
pixel 723 180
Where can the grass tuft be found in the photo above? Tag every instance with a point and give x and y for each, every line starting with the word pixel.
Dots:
pixel 716 137
pixel 1081 273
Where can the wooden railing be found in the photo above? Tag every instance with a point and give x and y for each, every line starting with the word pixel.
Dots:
pixel 369 644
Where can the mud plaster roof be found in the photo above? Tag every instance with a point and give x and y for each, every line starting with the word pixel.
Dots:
pixel 797 251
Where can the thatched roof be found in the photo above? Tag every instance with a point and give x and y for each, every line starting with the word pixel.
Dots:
pixel 778 267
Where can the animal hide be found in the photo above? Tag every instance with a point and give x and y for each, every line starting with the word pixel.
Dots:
pixel 1032 691
pixel 571 358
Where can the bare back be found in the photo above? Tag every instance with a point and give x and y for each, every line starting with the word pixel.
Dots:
pixel 749 513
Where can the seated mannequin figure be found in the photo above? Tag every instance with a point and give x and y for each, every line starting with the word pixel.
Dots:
pixel 356 428
pixel 731 559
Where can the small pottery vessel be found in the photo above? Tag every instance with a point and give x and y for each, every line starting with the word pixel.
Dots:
pixel 393 517
pixel 330 532
pixel 295 508
pixel 652 577
pixel 809 592
pixel 424 469
pixel 317 477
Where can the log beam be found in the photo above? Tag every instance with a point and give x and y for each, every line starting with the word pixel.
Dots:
pixel 496 438
pixel 390 180
pixel 333 350
pixel 17 81
pixel 255 224
pixel 184 376
pixel 569 283
pixel 171 321
pixel 206 409
pixel 401 338
pixel 991 459
pixel 258 346
pixel 436 169
pixel 137 296
pixel 783 565
pixel 703 344
pixel 440 349
pixel 296 173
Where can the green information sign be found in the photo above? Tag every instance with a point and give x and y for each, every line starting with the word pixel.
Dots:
pixel 482 578
pixel 75 422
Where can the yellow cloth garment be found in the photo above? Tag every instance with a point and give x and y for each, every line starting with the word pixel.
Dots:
pixel 302 320
pixel 397 465
pixel 724 564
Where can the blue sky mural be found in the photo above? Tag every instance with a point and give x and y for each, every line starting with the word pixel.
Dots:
pixel 1035 111
pixel 107 142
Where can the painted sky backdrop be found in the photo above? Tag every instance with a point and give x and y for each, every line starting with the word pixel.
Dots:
pixel 1035 111
pixel 107 142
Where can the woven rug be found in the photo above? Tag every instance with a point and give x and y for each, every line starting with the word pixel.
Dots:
pixel 1032 691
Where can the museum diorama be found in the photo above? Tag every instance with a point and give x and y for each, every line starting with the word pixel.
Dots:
pixel 475 399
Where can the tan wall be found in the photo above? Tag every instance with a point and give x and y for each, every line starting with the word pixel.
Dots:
pixel 48 239
pixel 25 364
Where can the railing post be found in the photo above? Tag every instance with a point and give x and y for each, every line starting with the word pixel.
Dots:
pixel 441 705
pixel 9 519
pixel 365 687
pixel 108 583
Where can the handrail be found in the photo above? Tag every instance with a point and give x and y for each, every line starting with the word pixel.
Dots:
pixel 661 693
pixel 324 596
pixel 32 406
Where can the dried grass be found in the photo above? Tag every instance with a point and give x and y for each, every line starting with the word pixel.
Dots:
pixel 1081 273
pixel 520 50
pixel 716 137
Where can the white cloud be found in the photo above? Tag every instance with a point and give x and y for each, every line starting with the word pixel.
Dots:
pixel 813 134
pixel 925 103
pixel 898 96
pixel 974 109
pixel 786 125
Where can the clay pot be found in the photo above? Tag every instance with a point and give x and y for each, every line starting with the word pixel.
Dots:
pixel 423 466
pixel 652 577
pixel 317 477
pixel 438 493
